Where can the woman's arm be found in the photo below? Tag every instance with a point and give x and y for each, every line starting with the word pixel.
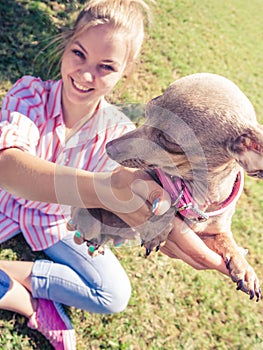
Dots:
pixel 129 193
pixel 183 243
pixel 32 178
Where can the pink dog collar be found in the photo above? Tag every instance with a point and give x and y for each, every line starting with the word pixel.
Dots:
pixel 183 201
pixel 234 196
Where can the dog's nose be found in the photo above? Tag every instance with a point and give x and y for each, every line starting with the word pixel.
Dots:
pixel 112 150
pixel 109 148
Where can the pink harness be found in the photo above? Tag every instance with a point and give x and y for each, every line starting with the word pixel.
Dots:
pixel 183 202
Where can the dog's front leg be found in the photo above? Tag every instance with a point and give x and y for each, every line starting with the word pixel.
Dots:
pixel 240 270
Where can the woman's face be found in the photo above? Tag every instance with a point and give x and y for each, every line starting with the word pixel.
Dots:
pixel 93 64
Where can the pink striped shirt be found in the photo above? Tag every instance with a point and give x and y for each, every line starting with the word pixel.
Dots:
pixel 31 120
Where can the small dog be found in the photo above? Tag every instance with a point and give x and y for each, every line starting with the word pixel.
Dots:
pixel 198 138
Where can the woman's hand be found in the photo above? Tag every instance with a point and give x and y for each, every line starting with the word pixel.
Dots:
pixel 131 194
pixel 133 203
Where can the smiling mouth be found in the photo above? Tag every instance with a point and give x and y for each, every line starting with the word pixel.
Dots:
pixel 80 87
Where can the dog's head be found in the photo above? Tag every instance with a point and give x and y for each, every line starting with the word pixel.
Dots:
pixel 201 123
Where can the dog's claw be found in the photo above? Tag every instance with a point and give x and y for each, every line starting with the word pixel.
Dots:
pixel 227 261
pixel 240 284
pixel 157 248
pixel 259 295
pixel 148 252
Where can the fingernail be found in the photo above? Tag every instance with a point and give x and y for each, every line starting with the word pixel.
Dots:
pixel 71 222
pixel 92 249
pixel 78 234
pixel 155 204
pixel 162 207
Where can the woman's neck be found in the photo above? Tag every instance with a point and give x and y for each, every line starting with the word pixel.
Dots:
pixel 73 114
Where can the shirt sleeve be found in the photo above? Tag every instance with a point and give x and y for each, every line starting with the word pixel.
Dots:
pixel 17 117
pixel 19 131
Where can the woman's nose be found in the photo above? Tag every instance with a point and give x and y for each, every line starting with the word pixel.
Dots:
pixel 86 75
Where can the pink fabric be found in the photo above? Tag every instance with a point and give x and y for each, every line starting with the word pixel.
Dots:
pixel 31 119
pixel 182 199
pixel 51 320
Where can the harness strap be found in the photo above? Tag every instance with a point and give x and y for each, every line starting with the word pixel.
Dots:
pixel 183 201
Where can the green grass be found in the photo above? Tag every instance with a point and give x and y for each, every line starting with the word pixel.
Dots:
pixel 172 307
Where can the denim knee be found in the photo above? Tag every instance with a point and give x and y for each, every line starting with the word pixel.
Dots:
pixel 116 299
pixel 62 284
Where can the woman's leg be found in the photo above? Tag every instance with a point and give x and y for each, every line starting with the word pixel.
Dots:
pixel 16 297
pixel 73 278
pixel 47 317
pixel 19 270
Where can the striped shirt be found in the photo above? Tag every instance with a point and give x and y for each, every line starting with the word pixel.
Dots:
pixel 31 119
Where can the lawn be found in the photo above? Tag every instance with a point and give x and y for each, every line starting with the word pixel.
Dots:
pixel 172 307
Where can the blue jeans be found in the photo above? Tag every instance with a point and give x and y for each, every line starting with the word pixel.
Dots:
pixel 98 285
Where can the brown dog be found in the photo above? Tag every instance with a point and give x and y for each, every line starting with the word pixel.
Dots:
pixel 197 139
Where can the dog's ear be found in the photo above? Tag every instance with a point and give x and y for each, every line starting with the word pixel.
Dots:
pixel 247 149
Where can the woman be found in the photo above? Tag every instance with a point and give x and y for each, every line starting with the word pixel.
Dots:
pixel 53 136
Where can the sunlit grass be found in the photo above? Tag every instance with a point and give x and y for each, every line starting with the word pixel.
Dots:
pixel 172 307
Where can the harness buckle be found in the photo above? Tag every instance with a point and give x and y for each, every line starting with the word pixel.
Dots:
pixel 202 217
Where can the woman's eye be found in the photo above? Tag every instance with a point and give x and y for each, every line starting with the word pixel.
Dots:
pixel 78 53
pixel 107 67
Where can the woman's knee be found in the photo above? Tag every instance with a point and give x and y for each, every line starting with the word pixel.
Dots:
pixel 115 300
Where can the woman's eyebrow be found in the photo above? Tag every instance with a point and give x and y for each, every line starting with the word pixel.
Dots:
pixel 105 61
pixel 81 46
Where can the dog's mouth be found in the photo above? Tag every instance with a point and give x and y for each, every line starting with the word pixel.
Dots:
pixel 149 167
pixel 138 163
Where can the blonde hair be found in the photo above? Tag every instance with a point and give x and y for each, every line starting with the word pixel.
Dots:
pixel 130 16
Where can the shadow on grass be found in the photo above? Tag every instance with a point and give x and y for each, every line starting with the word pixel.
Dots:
pixel 26 28
pixel 23 29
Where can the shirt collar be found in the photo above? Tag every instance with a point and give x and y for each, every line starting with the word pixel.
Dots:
pixel 54 107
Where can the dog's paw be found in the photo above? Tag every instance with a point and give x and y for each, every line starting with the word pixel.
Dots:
pixel 244 276
pixel 156 230
pixel 158 241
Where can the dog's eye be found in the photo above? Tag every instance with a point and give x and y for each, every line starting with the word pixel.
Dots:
pixel 167 142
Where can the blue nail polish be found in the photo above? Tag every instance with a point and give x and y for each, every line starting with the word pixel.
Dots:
pixel 92 249
pixel 78 234
pixel 155 204
pixel 117 245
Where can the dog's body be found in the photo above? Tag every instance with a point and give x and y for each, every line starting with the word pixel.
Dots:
pixel 202 130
